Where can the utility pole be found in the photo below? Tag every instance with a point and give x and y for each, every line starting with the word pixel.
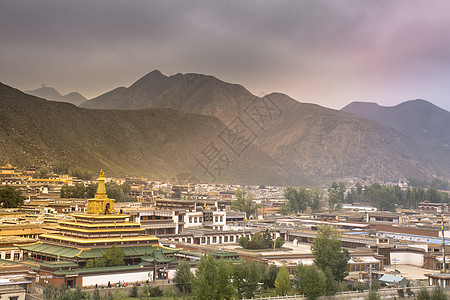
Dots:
pixel 443 240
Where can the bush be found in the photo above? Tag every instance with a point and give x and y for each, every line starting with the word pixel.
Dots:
pixel 156 292
pixel 134 291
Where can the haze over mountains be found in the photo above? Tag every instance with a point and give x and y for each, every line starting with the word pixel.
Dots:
pixel 420 120
pixel 153 142
pixel 52 94
pixel 318 141
pixel 161 126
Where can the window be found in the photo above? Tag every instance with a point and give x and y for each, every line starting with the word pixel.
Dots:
pixel 8 256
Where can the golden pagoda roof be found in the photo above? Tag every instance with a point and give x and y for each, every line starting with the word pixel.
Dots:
pixel 99 240
pixel 101 188
pixel 8 166
pixel 97 216
pixel 100 204
pixel 93 230
pixel 96 225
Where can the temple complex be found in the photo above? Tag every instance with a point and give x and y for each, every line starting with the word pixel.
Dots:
pixel 87 236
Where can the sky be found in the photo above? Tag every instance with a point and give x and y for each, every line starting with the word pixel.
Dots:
pixel 326 52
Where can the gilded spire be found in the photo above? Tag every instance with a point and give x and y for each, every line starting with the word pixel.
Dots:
pixel 101 189
pixel 100 204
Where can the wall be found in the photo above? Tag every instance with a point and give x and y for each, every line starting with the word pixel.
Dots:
pixel 115 278
pixel 407 258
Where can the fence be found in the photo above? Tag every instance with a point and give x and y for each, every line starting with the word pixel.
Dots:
pixel 387 293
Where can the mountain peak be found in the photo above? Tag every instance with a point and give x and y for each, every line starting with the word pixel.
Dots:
pixel 45 92
pixel 52 94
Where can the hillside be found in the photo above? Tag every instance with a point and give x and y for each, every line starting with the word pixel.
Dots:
pixel 420 120
pixel 317 141
pixel 190 93
pixel 159 143
pixel 52 94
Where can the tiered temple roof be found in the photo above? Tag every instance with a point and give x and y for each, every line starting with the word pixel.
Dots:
pixel 92 233
pixel 100 226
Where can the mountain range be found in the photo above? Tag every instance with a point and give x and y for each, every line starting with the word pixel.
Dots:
pixel 272 139
pixel 52 94
pixel 425 123
pixel 159 143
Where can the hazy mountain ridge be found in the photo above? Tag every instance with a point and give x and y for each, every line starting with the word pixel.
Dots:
pixel 52 94
pixel 318 141
pixel 420 120
pixel 154 142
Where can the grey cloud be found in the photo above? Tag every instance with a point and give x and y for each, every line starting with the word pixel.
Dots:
pixel 323 50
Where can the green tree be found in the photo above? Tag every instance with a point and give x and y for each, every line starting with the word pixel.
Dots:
pixel 73 191
pixel 260 241
pixel 114 257
pixel 270 274
pixel 434 196
pixel 373 295
pixel 10 198
pixel 42 172
pixel 91 189
pixel 61 167
pixel 81 173
pixel 206 282
pixel 310 280
pixel 279 242
pixel 169 293
pixel 50 292
pixel 328 252
pixel 336 194
pixel 244 203
pixel 316 196
pixel 144 292
pixel 96 295
pixel 285 208
pixel 183 278
pixel 111 257
pixel 282 282
pixel 298 199
pixel 225 269
pixel 243 241
pixel 438 293
pixel 440 184
pixel 134 291
pixel 246 277
pixel 330 283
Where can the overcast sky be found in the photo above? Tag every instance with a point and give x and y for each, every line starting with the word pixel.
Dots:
pixel 326 52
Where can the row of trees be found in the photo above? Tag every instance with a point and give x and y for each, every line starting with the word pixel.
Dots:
pixel 244 203
pixel 384 197
pixel 261 241
pixel 120 192
pixel 300 199
pixel 389 197
pixel 220 279
pixel 64 168
pixel 435 183
pixel 65 293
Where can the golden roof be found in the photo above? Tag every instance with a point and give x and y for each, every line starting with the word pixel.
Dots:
pixel 100 204
pixel 118 240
